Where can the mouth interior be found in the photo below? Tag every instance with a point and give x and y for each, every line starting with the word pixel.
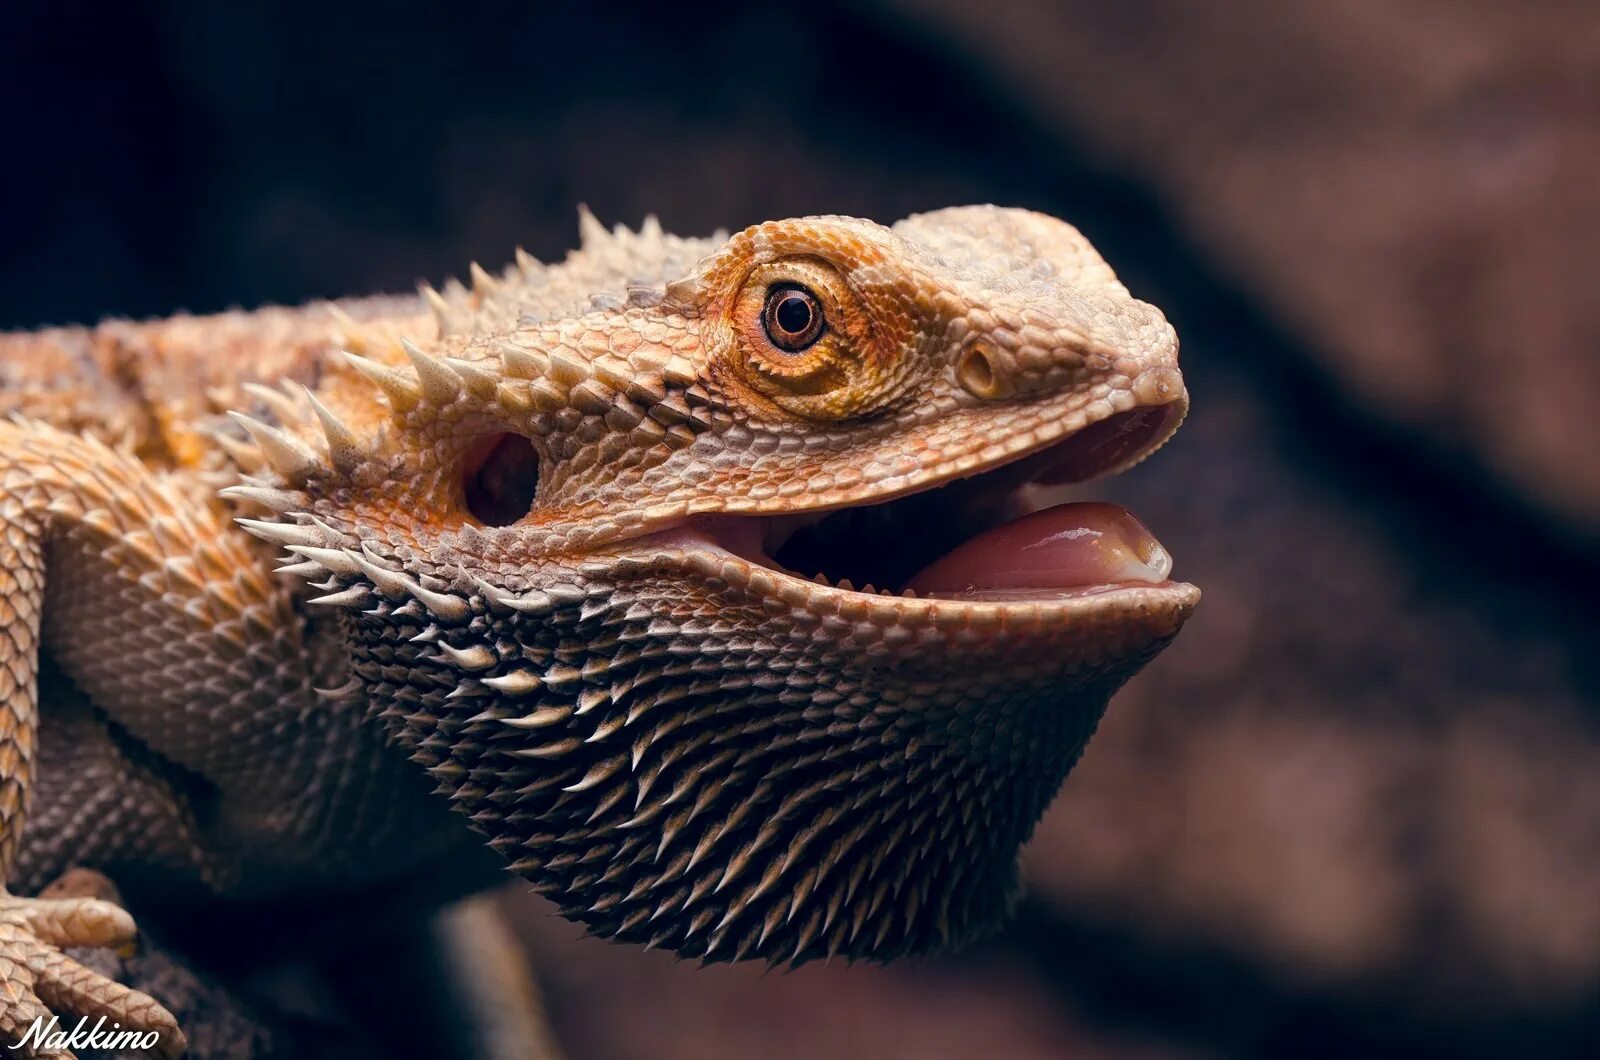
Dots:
pixel 979 537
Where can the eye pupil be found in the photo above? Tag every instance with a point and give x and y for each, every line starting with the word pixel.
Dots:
pixel 793 318
pixel 794 313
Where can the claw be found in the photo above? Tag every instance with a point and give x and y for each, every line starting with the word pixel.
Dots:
pixel 38 981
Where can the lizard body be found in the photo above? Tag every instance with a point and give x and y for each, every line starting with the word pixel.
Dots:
pixel 526 543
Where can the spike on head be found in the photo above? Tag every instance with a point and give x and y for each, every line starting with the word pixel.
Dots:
pixel 440 307
pixel 591 233
pixel 482 283
pixel 247 456
pixel 346 449
pixel 287 454
pixel 403 393
pixel 281 405
pixel 440 385
pixel 521 362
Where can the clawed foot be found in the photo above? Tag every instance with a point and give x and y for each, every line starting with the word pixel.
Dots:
pixel 38 982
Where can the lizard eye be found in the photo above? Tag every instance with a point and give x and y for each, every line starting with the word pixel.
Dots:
pixel 803 338
pixel 792 317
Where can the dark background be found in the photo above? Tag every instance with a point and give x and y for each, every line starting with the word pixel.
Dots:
pixel 1355 810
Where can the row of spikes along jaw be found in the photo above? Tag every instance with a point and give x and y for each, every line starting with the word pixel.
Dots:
pixel 667 748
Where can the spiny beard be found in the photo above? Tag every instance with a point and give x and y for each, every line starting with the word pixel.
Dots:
pixel 728 795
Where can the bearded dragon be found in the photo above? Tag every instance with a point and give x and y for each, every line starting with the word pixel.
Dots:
pixel 544 544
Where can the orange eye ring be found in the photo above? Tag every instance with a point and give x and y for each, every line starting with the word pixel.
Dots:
pixel 792 317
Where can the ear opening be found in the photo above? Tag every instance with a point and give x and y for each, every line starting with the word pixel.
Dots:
pixel 502 479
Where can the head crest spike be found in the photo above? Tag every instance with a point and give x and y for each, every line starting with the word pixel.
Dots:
pixel 436 302
pixel 287 455
pixel 546 396
pixel 480 381
pixel 403 393
pixel 651 228
pixel 521 361
pixel 513 399
pixel 644 297
pixel 283 533
pixel 591 233
pixel 683 293
pixel 281 404
pixel 267 497
pixel 440 385
pixel 482 282
pixel 526 262
pixel 244 454
pixel 345 448
pixel 567 369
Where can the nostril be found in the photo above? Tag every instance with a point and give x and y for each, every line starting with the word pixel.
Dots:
pixel 976 373
pixel 1158 386
pixel 502 479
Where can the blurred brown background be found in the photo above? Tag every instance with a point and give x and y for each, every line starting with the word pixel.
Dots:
pixel 1355 810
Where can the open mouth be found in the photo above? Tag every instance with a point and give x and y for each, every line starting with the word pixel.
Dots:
pixel 983 537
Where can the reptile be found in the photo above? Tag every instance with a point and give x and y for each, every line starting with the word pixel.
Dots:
pixel 565 560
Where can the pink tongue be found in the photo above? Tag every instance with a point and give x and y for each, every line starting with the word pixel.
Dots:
pixel 1069 546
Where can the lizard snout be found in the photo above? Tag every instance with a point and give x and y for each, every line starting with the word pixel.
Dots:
pixel 1023 351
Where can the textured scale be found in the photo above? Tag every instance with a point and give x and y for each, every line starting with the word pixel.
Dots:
pixel 678 744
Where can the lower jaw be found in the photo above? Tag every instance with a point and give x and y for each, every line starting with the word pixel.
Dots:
pixel 1048 595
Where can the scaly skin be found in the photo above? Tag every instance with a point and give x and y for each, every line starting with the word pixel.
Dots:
pixel 677 742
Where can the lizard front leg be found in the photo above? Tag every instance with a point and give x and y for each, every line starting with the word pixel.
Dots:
pixel 35 976
pixel 105 565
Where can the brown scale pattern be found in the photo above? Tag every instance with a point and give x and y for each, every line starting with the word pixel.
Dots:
pixel 682 747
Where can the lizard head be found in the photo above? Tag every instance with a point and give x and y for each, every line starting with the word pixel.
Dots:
pixel 570 540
